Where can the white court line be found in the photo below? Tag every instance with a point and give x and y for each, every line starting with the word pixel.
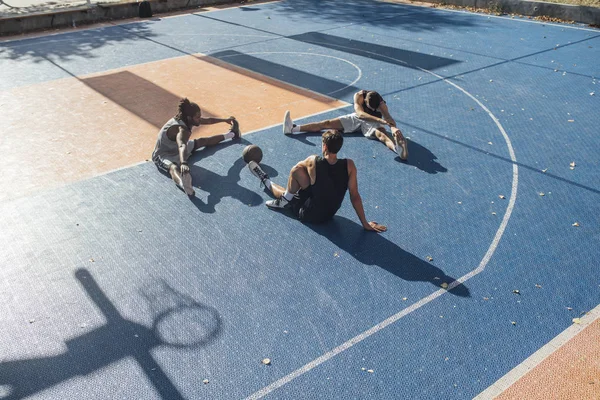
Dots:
pixel 484 261
pixel 536 358
pixel 303 53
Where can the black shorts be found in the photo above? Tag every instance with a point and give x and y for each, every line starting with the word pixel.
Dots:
pixel 305 208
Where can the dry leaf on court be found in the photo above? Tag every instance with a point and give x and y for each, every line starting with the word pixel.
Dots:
pixel 572 164
pixel 429 258
pixel 502 196
pixel 538 286
pixel 516 291
pixel 513 322
pixel 542 194
pixel 576 224
pixel 444 285
pixel 576 320
pixel 266 361
pixel 205 381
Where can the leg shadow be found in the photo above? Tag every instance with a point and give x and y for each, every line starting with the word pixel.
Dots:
pixel 422 158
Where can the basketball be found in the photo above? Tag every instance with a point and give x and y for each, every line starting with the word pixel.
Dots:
pixel 252 153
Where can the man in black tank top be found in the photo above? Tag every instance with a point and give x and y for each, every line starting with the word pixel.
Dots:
pixel 317 186
pixel 371 117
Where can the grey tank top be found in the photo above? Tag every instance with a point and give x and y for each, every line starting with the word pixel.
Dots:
pixel 166 148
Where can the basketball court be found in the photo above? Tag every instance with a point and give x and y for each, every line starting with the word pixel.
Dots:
pixel 117 285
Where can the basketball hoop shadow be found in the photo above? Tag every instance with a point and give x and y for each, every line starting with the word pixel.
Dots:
pixel 180 323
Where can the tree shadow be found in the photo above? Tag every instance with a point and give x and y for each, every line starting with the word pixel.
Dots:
pixel 374 249
pixel 219 186
pixel 72 45
pixel 422 158
pixel 367 12
pixel 118 339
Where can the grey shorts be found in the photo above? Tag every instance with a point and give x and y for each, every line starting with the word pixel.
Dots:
pixel 164 162
pixel 351 123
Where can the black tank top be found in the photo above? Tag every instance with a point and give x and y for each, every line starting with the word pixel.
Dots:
pixel 330 187
pixel 368 110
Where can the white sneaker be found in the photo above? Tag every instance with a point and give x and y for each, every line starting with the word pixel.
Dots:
pixel 288 124
pixel 186 180
pixel 258 172
pixel 278 203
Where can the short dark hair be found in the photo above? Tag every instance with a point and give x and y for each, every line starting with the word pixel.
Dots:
pixel 373 99
pixel 186 109
pixel 333 140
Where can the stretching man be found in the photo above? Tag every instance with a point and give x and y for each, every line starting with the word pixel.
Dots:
pixel 174 147
pixel 370 116
pixel 317 186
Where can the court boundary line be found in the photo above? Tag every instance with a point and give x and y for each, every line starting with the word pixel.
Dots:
pixel 402 313
pixel 539 356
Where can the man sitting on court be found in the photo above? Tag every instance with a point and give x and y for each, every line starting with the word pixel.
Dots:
pixel 370 116
pixel 317 186
pixel 174 147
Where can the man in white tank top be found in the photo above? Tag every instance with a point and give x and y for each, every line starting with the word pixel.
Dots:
pixel 174 147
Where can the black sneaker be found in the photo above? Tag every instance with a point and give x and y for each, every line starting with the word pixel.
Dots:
pixel 235 128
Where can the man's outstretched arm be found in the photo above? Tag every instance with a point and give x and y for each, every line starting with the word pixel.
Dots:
pixel 357 201
pixel 210 121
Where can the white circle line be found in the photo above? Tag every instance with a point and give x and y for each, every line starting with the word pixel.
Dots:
pixel 390 320
pixel 310 54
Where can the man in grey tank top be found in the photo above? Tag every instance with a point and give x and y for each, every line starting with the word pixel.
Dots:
pixel 174 147
pixel 317 186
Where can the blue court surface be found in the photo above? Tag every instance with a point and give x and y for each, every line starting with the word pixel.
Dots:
pixel 119 286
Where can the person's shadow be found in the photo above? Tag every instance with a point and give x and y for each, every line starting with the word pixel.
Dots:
pixel 219 186
pixel 371 248
pixel 422 158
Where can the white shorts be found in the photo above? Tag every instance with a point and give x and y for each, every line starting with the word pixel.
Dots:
pixel 165 162
pixel 351 123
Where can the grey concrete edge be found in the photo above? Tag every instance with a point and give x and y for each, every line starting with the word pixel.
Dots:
pixel 84 15
pixel 565 12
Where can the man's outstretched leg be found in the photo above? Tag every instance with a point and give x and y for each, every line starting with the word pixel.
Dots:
pixel 298 179
pixel 289 128
pixel 234 133
pixel 398 145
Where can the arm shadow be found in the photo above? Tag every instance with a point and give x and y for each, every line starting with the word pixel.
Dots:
pixel 374 249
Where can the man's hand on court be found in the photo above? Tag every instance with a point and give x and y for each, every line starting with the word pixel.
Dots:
pixel 185 168
pixel 230 120
pixel 375 227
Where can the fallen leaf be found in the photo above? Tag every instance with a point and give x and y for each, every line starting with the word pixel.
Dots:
pixel 493 213
pixel 444 285
pixel 538 286
pixel 205 381
pixel 91 260
pixel 576 224
pixel 266 361
pixel 570 308
pixel 429 258
pixel 572 164
pixel 542 194
pixel 370 371
pixel 486 298
pixel 502 196
pixel 545 169
pixel 363 369
pixel 571 120
pixel 516 291
pixel 404 298
pixel 576 320
pixel 513 322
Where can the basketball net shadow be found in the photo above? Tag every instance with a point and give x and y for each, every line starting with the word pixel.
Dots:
pixel 177 319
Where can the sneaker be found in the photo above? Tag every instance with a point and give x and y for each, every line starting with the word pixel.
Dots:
pixel 186 180
pixel 288 124
pixel 278 203
pixel 258 172
pixel 235 128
